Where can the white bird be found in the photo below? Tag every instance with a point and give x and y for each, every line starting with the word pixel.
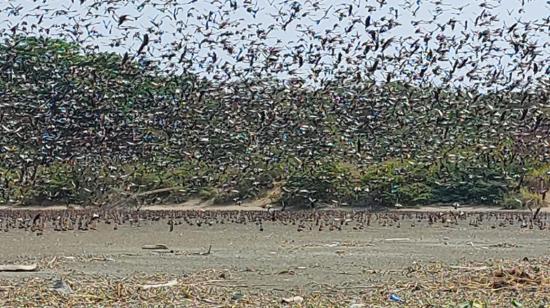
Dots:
pixel 397 204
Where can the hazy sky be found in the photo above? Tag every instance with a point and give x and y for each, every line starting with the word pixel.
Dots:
pixel 508 11
pixel 412 18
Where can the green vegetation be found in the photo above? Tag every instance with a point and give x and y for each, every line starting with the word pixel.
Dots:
pixel 81 128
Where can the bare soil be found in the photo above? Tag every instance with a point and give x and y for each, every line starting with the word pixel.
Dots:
pixel 262 258
pixel 279 258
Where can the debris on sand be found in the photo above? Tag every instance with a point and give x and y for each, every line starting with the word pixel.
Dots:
pixel 472 304
pixel 501 282
pixel 504 245
pixel 395 298
pixel 170 283
pixel 398 239
pixel 292 300
pixel 61 287
pixel 236 296
pixel 162 251
pixel 469 268
pixel 18 268
pixel 287 272
pixel 155 247
pixel 205 253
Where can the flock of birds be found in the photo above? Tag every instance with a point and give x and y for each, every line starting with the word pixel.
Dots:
pixel 237 85
pixel 39 222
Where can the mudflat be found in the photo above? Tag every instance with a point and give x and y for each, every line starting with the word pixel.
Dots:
pixel 280 258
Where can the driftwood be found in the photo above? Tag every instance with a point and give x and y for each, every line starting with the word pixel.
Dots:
pixel 292 300
pixel 398 239
pixel 170 283
pixel 204 253
pixel 18 268
pixel 155 247
pixel 467 268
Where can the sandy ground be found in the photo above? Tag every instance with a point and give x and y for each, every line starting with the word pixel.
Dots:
pixel 279 257
pixel 264 203
pixel 328 268
pixel 238 265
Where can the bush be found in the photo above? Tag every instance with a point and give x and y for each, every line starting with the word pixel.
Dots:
pixel 523 199
pixel 322 181
pixel 139 129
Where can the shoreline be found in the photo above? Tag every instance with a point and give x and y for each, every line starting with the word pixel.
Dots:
pixel 199 205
